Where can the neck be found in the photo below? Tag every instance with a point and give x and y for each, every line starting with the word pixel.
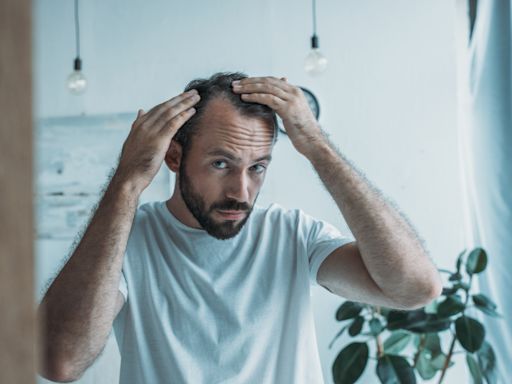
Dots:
pixel 179 209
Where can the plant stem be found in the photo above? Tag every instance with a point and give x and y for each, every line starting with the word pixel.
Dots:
pixel 452 345
pixel 378 341
pixel 448 358
pixel 421 347
pixel 380 348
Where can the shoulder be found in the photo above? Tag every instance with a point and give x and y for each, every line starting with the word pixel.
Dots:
pixel 277 213
pixel 147 214
pixel 280 217
pixel 148 209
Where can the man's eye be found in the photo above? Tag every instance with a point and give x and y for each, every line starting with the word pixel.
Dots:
pixel 258 168
pixel 219 164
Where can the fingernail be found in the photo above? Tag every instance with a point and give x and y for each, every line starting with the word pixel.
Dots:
pixel 236 82
pixel 192 91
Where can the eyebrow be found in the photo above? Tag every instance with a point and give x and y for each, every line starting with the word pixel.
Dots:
pixel 221 152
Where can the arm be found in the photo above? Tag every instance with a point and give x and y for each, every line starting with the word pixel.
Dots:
pixel 388 260
pixel 343 273
pixel 78 310
pixel 387 246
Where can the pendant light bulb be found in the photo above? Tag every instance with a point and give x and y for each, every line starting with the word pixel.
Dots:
pixel 77 83
pixel 315 62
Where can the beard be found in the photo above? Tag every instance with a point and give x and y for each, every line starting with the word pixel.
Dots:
pixel 221 230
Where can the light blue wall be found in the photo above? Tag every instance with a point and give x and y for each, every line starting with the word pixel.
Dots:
pixel 387 97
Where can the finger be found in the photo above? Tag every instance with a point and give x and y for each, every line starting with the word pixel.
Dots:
pixel 170 110
pixel 262 88
pixel 270 79
pixel 177 122
pixel 154 112
pixel 264 98
pixel 137 122
pixel 173 101
pixel 279 83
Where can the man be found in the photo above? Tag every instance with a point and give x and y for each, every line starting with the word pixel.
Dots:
pixel 209 287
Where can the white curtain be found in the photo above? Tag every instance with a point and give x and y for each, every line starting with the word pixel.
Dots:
pixel 485 133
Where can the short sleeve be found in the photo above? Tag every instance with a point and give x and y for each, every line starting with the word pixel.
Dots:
pixel 123 287
pixel 321 239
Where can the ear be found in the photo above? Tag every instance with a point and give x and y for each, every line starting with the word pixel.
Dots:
pixel 173 156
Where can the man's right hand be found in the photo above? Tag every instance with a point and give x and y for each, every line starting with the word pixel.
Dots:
pixel 150 137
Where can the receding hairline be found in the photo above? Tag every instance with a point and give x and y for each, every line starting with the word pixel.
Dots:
pixel 218 151
pixel 239 111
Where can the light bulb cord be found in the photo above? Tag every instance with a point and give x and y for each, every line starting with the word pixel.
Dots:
pixel 77 30
pixel 314 16
pixel 314 37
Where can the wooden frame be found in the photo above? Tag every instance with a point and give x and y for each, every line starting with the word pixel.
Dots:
pixel 18 350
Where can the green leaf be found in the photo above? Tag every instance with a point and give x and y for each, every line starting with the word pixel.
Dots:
pixel 433 323
pixel 482 300
pixel 417 321
pixel 348 310
pixel 403 319
pixel 463 285
pixel 384 311
pixel 439 361
pixel 416 337
pixel 433 344
pixel 397 317
pixel 455 277
pixel 485 304
pixel 459 260
pixel 396 342
pixel 356 326
pixel 376 326
pixel 450 306
pixel 350 363
pixel 470 333
pixel 432 307
pixel 487 363
pixel 477 261
pixel 474 369
pixel 424 366
pixel 392 369
pixel 447 291
pixel 337 336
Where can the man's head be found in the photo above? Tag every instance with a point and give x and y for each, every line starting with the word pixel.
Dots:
pixel 221 154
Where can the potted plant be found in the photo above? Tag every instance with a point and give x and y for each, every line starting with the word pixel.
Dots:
pixel 408 343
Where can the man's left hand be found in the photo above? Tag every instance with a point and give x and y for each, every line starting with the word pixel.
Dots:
pixel 289 102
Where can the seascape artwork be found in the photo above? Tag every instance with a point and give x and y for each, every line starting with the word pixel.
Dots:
pixel 74 160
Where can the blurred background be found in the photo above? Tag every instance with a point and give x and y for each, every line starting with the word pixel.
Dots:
pixel 389 97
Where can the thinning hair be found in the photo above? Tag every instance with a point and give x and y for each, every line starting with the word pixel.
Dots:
pixel 219 86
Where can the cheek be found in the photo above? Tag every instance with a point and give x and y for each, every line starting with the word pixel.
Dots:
pixel 209 185
pixel 255 187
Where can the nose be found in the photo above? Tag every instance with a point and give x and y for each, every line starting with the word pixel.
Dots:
pixel 238 187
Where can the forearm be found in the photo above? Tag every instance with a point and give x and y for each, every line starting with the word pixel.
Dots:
pixel 390 249
pixel 77 311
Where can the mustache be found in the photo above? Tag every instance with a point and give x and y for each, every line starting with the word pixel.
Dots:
pixel 231 205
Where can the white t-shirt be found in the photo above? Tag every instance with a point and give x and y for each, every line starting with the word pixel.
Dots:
pixel 203 311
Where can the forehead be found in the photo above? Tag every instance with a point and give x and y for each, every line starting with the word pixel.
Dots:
pixel 222 126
